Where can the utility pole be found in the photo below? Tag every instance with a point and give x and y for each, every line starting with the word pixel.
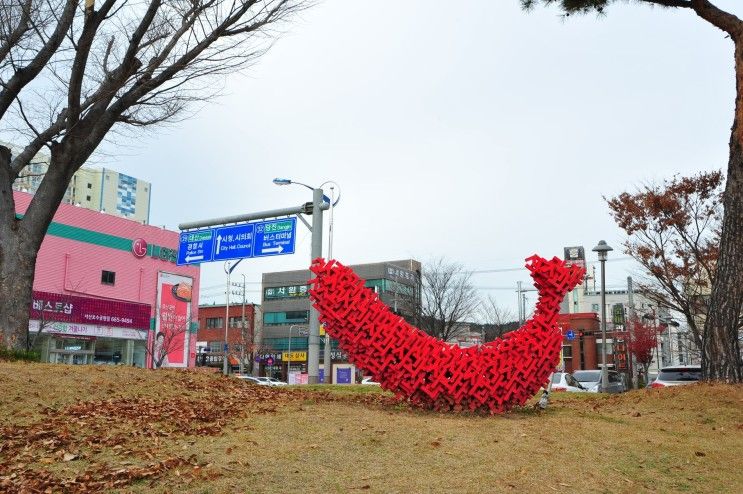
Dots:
pixel 521 313
pixel 631 330
pixel 242 332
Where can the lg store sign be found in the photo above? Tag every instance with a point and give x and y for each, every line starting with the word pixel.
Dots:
pixel 140 249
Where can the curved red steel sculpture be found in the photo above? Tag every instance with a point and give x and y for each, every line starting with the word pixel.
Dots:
pixel 430 373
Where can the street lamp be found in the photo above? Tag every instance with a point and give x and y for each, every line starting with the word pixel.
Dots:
pixel 228 270
pixel 602 249
pixel 319 199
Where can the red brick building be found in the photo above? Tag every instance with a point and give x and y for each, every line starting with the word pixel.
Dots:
pixel 584 350
pixel 240 334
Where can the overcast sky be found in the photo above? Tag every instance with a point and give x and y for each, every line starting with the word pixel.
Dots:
pixel 470 130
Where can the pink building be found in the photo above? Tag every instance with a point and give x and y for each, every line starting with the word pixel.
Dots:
pixel 107 290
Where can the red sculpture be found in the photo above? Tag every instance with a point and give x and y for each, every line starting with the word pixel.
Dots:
pixel 429 372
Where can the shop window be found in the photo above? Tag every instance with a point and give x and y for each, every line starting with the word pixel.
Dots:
pixel 214 322
pixel 108 277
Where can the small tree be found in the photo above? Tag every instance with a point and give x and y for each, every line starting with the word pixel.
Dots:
pixel 642 342
pixel 497 320
pixel 674 233
pixel 448 299
pixel 166 341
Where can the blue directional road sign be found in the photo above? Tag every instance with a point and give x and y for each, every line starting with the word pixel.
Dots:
pixel 233 242
pixel 195 247
pixel 275 237
pixel 570 334
pixel 260 239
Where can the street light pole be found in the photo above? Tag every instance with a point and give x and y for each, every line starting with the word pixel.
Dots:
pixel 227 269
pixel 313 340
pixel 602 249
pixel 327 359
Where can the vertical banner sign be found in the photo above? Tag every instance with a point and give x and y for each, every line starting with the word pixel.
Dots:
pixel 172 321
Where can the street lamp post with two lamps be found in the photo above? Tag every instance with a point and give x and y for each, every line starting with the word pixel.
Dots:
pixel 319 199
pixel 603 249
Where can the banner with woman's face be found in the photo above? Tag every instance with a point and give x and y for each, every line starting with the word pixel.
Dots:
pixel 172 320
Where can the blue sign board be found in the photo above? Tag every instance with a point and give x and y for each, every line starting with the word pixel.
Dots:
pixel 570 334
pixel 275 238
pixel 233 242
pixel 260 239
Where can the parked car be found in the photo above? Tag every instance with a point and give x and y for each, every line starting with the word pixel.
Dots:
pixel 591 380
pixel 564 381
pixel 677 375
pixel 271 381
pixel 369 380
pixel 651 377
pixel 251 380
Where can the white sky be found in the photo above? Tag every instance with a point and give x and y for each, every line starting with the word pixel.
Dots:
pixel 469 130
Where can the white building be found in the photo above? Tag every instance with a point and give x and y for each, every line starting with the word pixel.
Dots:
pixel 99 189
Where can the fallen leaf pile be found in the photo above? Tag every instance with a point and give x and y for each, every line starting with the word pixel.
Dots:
pixel 95 446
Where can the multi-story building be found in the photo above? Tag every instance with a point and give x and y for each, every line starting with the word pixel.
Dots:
pixel 675 345
pixel 99 189
pixel 243 336
pixel 286 304
pixel 107 290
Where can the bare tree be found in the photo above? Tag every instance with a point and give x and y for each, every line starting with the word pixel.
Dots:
pixel 448 300
pixel 720 360
pixel 72 75
pixel 171 338
pixel 497 320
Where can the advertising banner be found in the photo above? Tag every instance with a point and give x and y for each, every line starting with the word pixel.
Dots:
pixel 172 321
pixel 76 330
pixel 575 255
pixel 83 310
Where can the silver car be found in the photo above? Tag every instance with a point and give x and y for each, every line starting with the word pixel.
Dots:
pixel 591 380
pixel 677 375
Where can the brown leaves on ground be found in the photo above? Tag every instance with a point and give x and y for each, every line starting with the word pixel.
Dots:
pixel 95 446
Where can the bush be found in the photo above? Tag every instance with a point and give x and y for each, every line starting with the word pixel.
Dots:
pixel 24 355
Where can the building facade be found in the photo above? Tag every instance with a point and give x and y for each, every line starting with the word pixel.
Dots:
pixel 107 291
pixel 286 306
pixel 243 336
pixel 99 189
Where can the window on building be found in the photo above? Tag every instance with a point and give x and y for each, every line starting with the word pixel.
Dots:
pixel 90 186
pixel 236 322
pixel 108 277
pixel 567 351
pixel 377 285
pixel 290 317
pixel 214 322
pixel 609 347
pixel 87 198
pixel 594 307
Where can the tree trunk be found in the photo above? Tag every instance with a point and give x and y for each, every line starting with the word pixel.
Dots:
pixel 20 240
pixel 17 261
pixel 721 353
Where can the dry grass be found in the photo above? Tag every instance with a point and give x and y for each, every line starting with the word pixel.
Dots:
pixel 170 431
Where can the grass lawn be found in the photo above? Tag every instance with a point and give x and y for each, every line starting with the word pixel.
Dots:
pixel 118 429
